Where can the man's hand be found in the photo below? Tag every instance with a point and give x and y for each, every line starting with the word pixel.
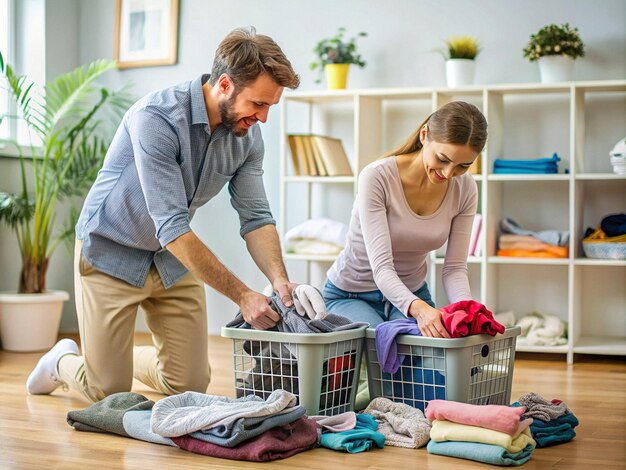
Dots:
pixel 284 289
pixel 256 311
pixel 309 302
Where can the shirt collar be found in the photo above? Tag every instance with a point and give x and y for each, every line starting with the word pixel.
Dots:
pixel 198 106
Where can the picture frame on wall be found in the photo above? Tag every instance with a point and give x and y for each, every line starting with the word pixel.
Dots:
pixel 146 33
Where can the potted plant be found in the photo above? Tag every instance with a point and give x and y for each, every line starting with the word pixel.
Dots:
pixel 555 47
pixel 334 56
pixel 70 128
pixel 460 53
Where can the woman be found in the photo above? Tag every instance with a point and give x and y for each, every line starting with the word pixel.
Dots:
pixel 408 204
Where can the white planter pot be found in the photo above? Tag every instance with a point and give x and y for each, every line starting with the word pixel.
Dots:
pixel 459 72
pixel 556 68
pixel 30 322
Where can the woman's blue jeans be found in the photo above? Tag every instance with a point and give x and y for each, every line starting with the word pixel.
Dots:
pixel 371 307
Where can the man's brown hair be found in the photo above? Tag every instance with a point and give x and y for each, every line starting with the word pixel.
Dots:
pixel 244 55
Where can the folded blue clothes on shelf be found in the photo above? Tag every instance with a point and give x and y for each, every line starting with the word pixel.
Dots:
pixel 536 166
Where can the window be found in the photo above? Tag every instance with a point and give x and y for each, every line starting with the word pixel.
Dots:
pixel 5 44
pixel 22 42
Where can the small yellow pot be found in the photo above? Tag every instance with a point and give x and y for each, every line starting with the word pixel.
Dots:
pixel 337 76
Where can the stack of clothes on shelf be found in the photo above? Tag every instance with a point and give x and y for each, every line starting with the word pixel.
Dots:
pixel 494 434
pixel 518 242
pixel 618 157
pixel 318 236
pixel 553 422
pixel 538 166
pixel 608 241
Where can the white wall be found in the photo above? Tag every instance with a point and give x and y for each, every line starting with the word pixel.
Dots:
pixel 403 35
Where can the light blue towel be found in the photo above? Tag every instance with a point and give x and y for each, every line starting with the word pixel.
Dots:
pixel 359 439
pixel 137 425
pixel 486 453
pixel 243 429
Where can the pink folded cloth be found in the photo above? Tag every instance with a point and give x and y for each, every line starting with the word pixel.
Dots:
pixel 497 417
pixel 276 443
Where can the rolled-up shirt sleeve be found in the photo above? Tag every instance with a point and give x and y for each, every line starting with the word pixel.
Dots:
pixel 247 192
pixel 156 147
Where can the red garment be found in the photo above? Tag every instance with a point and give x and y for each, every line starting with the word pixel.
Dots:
pixel 276 443
pixel 340 369
pixel 556 401
pixel 469 317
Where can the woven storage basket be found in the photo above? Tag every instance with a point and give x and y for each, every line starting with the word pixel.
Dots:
pixel 598 245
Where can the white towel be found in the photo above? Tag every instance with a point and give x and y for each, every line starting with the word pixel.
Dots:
pixel 320 229
pixel 542 329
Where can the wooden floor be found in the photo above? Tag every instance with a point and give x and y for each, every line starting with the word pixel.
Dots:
pixel 34 433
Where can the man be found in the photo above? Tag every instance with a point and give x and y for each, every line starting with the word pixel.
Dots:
pixel 174 150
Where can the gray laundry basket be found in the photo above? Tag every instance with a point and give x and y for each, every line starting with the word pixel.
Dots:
pixel 476 369
pixel 321 369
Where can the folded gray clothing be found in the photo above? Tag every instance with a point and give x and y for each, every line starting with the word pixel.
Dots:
pixel 291 322
pixel 540 408
pixel 188 412
pixel 107 414
pixel 553 237
pixel 137 425
pixel 401 424
pixel 233 434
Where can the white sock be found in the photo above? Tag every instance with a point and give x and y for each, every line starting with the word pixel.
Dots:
pixel 44 378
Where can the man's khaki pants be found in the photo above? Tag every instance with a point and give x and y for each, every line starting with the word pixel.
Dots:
pixel 106 309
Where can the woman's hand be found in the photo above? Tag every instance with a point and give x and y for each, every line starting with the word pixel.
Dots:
pixel 428 319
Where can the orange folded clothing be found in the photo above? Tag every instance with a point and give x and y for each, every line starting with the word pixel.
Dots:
pixel 535 254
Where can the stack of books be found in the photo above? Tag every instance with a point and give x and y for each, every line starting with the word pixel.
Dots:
pixel 318 155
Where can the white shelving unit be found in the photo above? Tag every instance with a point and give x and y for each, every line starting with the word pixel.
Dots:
pixel 579 120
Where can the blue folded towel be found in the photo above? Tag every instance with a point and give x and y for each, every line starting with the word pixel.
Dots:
pixel 359 439
pixel 567 418
pixel 486 453
pixel 536 166
pixel 549 439
pixel 555 431
pixel 524 171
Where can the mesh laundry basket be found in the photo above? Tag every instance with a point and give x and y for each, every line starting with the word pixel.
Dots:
pixel 477 369
pixel 321 369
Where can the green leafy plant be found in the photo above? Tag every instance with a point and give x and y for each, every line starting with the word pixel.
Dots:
pixel 337 50
pixel 461 47
pixel 70 129
pixel 555 40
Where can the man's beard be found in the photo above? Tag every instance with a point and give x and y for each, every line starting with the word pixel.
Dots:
pixel 229 120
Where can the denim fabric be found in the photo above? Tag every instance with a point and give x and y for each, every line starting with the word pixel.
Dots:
pixel 371 307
